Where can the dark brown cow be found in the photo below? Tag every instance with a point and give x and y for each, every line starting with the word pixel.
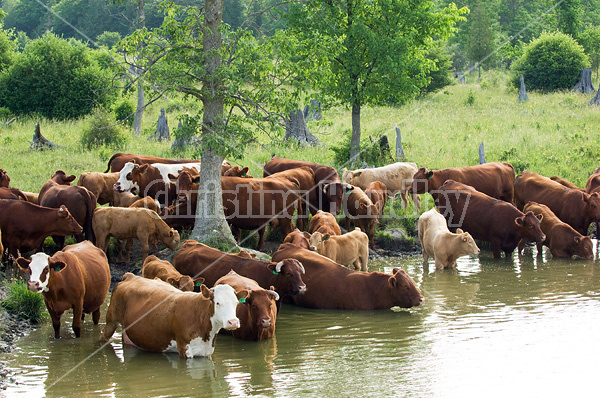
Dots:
pixel 493 179
pixel 154 267
pixel 81 203
pixel 561 238
pixel 118 160
pixel 101 185
pixel 329 186
pixel 576 208
pixel 77 278
pixel 377 192
pixel 196 259
pixel 331 285
pixel 359 209
pixel 12 193
pixel 308 193
pixel 25 225
pixel 487 218
pixel 4 179
pixel 146 180
pixel 257 313
pixel 565 182
pixel 325 223
pixel 298 238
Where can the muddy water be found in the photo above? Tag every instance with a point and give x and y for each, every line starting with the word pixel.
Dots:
pixel 522 326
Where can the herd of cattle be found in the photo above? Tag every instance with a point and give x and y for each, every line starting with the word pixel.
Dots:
pixel 185 303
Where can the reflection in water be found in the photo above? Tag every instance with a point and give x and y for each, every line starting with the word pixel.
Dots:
pixel 522 325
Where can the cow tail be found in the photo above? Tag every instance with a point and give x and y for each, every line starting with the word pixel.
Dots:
pixel 110 161
pixel 89 214
pixel 19 193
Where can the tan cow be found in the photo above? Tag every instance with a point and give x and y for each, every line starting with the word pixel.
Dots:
pixel 100 184
pixel 154 267
pixel 438 242
pixel 350 248
pixel 132 223
pixel 78 278
pixel 160 318
pixel 397 177
pixel 325 223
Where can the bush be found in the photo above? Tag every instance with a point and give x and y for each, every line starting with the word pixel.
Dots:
pixel 440 77
pixel 370 151
pixel 24 303
pixel 551 62
pixel 124 112
pixel 102 130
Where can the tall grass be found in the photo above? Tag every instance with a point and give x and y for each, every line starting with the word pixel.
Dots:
pixel 24 303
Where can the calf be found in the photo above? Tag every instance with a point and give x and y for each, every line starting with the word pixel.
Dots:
pixel 257 313
pixel 154 267
pixel 298 238
pixel 397 177
pixel 331 285
pixel 325 223
pixel 101 185
pixel 160 318
pixel 351 248
pixel 493 179
pixel 25 225
pixel 196 259
pixel 118 161
pixel 438 242
pixel 362 211
pixel 128 223
pixel 576 208
pixel 486 218
pixel 377 192
pixel 561 238
pixel 77 277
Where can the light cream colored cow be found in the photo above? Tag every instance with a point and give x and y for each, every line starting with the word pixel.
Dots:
pixel 351 248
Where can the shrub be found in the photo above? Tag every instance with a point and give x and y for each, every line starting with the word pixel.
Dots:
pixel 124 112
pixel 24 303
pixel 551 62
pixel 440 77
pixel 370 151
pixel 102 130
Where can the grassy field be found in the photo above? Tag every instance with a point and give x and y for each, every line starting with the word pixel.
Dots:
pixel 551 134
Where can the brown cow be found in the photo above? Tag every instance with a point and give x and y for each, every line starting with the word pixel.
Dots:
pixel 128 223
pixel 359 209
pixel 377 192
pixel 576 208
pixel 118 160
pixel 565 182
pixel 486 218
pixel 146 180
pixel 325 223
pixel 299 238
pixel 196 259
pixel 57 191
pixel 593 183
pixel 25 225
pixel 351 248
pixel 328 184
pixel 1 247
pixel 154 267
pixel 331 285
pixel 4 179
pixel 308 192
pixel 12 193
pixel 257 313
pixel 493 179
pixel 101 185
pixel 77 277
pixel 160 318
pixel 561 238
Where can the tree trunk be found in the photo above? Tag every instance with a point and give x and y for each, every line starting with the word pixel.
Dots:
pixel 355 140
pixel 296 128
pixel 313 111
pixel 399 151
pixel 211 226
pixel 40 142
pixel 139 111
pixel 479 72
pixel 162 127
pixel 585 83
pixel 522 90
pixel 596 99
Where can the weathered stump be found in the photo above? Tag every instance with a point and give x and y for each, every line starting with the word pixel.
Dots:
pixel 40 142
pixel 522 90
pixel 596 99
pixel 296 129
pixel 399 151
pixel 481 154
pixel 585 83
pixel 180 143
pixel 162 128
pixel 312 111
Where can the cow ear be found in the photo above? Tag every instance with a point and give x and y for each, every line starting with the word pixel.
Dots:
pixel 357 174
pixel 70 178
pixel 198 282
pixel 196 180
pixel 519 221
pixel 392 281
pixel 245 171
pixel 577 239
pixel 23 264
pixel 63 212
pixel 206 292
pixel 171 233
pixel 144 168
pixel 57 266
pixel 326 236
pixel 540 217
pixel 459 231
pixel 172 177
pixel 395 270
pixel 429 174
pixel 306 235
pixel 243 294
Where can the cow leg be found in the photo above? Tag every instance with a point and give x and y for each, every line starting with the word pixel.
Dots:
pixel 521 245
pixel 540 248
pixel 238 235
pixel 120 250
pixel 79 238
pixel 128 250
pixel 417 200
pixel 145 248
pixel 496 248
pixel 77 312
pixel 347 220
pixel 96 316
pixel 55 323
pixel 261 238
pixel 110 327
pixel 404 196
pixel 60 241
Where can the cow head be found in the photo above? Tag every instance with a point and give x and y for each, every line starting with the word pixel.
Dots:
pixel 529 225
pixel 126 182
pixel 184 183
pixel 466 245
pixel 171 239
pixel 185 283
pixel 334 193
pixel 347 176
pixel 298 238
pixel 581 246
pixel 289 276
pixel 592 207
pixel 66 223
pixel 420 183
pixel 261 304
pixel 245 254
pixel 317 242
pixel 41 268
pixel 225 301
pixel 237 171
pixel 61 178
pixel 404 290
pixel 4 179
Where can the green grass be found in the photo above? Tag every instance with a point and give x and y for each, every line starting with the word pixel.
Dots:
pixel 24 303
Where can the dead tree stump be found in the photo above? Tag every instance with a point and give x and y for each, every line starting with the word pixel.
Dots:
pixel 162 128
pixel 399 150
pixel 296 129
pixel 522 90
pixel 180 143
pixel 596 99
pixel 40 142
pixel 313 111
pixel 585 83
pixel 481 154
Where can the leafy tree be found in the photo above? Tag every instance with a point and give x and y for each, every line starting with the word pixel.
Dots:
pixel 233 13
pixel 91 17
pixel 481 37
pixel 108 39
pixel 568 12
pixel 53 77
pixel 440 75
pixel 29 16
pixel 368 52
pixel 7 45
pixel 590 40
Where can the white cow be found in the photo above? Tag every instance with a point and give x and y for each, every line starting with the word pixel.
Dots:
pixel 126 185
pixel 438 242
pixel 397 177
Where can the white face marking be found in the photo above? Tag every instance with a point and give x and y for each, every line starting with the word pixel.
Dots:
pixel 39 262
pixel 124 184
pixel 225 307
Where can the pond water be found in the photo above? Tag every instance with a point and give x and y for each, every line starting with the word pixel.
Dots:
pixel 520 326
